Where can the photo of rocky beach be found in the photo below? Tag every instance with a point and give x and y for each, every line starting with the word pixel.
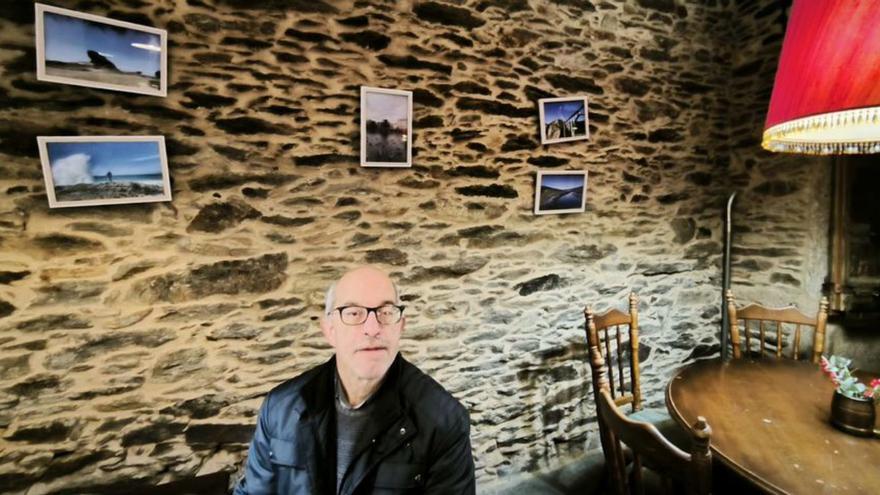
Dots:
pixel 99 171
pixel 81 51
pixel 386 127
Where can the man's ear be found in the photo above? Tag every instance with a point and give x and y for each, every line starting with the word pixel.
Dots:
pixel 328 330
pixel 402 324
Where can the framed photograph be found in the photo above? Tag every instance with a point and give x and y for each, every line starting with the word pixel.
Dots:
pixel 560 191
pixel 386 127
pixel 104 170
pixel 563 119
pixel 98 52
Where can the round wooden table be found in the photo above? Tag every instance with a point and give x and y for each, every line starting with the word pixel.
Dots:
pixel 770 423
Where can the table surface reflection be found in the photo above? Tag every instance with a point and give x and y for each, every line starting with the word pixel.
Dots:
pixel 770 423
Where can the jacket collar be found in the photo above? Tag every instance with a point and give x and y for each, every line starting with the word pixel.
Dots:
pixel 319 393
pixel 317 428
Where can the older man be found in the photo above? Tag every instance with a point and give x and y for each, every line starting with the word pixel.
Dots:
pixel 366 421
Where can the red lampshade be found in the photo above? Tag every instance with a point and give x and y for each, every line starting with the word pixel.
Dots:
pixel 826 97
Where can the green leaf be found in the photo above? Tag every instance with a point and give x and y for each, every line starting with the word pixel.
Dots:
pixel 840 362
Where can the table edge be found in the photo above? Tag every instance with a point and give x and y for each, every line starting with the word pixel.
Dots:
pixel 676 415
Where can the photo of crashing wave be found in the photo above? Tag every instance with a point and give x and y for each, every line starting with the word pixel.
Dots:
pixel 561 192
pixel 565 119
pixel 101 53
pixel 88 171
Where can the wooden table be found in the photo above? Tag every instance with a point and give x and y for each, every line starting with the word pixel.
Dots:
pixel 770 423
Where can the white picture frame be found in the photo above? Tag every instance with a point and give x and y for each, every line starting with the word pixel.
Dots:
pixel 560 191
pixel 98 52
pixel 560 119
pixel 384 143
pixel 104 170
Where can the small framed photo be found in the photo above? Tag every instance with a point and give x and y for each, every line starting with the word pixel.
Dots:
pixel 98 52
pixel 563 119
pixel 386 127
pixel 104 170
pixel 560 192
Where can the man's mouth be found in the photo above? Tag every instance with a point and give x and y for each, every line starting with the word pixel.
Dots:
pixel 372 348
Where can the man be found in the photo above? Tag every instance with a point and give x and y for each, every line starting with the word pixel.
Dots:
pixel 366 421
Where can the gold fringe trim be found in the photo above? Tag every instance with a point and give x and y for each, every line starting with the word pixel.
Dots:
pixel 782 138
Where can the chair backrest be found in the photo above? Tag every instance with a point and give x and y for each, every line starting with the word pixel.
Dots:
pixel 774 326
pixel 682 472
pixel 616 336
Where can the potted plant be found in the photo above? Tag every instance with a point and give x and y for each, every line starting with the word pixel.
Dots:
pixel 852 407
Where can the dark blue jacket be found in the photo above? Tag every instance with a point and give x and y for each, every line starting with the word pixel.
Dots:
pixel 420 439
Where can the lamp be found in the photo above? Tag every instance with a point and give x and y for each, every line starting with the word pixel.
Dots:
pixel 826 96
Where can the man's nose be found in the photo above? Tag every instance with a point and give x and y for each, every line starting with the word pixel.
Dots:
pixel 372 327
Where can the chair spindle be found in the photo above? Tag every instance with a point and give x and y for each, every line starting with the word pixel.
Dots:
pixel 748 338
pixel 609 364
pixel 779 341
pixel 620 361
pixel 763 332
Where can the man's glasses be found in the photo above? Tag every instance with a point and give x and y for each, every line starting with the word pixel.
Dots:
pixel 387 314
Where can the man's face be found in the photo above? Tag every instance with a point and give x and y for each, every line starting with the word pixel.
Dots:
pixel 363 352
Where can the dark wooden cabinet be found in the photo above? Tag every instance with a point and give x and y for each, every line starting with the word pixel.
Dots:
pixel 854 280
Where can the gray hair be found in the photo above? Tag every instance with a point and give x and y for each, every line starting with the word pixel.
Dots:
pixel 330 296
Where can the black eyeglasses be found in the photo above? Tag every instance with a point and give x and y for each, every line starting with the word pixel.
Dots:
pixel 387 314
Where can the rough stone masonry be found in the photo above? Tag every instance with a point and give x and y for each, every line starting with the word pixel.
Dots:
pixel 136 341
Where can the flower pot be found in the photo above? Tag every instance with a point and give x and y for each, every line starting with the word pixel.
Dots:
pixel 855 416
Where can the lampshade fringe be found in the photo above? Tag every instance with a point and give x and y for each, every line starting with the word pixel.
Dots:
pixel 787 138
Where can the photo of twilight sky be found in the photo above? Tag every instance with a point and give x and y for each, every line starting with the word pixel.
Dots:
pixel 562 110
pixel 381 106
pixel 562 182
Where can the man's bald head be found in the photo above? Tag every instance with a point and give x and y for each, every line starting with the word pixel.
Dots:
pixel 357 275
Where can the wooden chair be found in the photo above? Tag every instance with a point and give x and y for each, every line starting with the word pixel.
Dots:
pixel 681 472
pixel 615 335
pixel 757 318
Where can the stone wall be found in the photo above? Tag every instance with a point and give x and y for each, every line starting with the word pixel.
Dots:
pixel 782 210
pixel 136 341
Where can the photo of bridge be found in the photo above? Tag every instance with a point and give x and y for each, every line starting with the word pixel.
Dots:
pixel 563 119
